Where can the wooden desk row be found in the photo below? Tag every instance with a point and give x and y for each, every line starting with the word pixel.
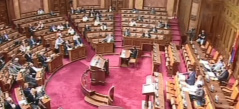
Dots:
pixel 137 40
pixel 172 58
pixel 178 98
pixel 159 92
pixel 130 16
pixel 188 57
pixel 146 28
pixel 6 80
pixel 21 99
pixel 90 35
pixel 156 57
pixel 142 11
pixel 47 27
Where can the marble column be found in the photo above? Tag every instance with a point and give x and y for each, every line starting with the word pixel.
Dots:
pixel 170 6
pixel 46 6
pixel 75 4
pixel 16 9
pixel 139 4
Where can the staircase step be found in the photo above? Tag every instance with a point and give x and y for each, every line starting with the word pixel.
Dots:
pixel 94 102
pixel 119 39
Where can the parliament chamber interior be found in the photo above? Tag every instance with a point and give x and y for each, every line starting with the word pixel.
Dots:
pixel 119 54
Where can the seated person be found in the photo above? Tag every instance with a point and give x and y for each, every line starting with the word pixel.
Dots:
pixel 154 29
pixel 67 46
pixel 135 10
pixel 2 63
pixel 161 24
pixel 29 76
pixel 110 17
pixel 98 16
pixel 191 79
pixel 40 11
pixel 34 99
pixel 97 22
pixel 59 34
pixel 72 10
pixel 223 76
pixel 127 32
pixel 87 28
pixel 43 59
pixel 213 67
pixel 103 27
pixel 13 70
pixel 83 10
pixel 24 47
pixel 52 13
pixel 67 25
pixel 134 53
pixel 192 88
pixel 202 38
pixel 40 25
pixel 199 95
pixel 77 40
pixel 29 56
pixel 166 26
pixel 32 29
pixel 53 28
pixel 9 104
pixel 60 27
pixel 91 14
pixel 140 18
pixel 78 10
pixel 71 31
pixel 32 42
pixel 132 23
pixel 39 40
pixel 59 41
pixel 152 11
pixel 146 34
pixel 109 38
pixel 5 37
pixel 110 9
pixel 85 18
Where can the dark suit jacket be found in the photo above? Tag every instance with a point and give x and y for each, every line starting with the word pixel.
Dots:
pixel 42 59
pixel 191 78
pixel 29 58
pixel 7 105
pixel 134 53
pixel 224 76
pixel 32 72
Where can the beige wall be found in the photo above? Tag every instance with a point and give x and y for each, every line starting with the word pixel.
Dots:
pixel 30 5
pixel 155 3
pixel 89 2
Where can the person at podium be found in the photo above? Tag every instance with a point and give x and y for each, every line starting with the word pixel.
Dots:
pixel 127 32
pixel 132 23
pixel 109 38
pixel 134 53
pixel 103 27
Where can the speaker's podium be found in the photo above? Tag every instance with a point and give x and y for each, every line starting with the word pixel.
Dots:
pixel 99 68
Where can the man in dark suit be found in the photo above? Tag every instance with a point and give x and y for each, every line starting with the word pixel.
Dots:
pixel 43 59
pixel 32 29
pixel 5 37
pixel 127 32
pixel 83 10
pixel 191 78
pixel 154 29
pixel 146 34
pixel 67 25
pixel 29 56
pixel 223 76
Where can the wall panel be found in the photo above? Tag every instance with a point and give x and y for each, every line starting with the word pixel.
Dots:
pixel 155 3
pixel 30 5
pixel 89 2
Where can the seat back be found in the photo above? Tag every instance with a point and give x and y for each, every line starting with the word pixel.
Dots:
pixel 215 56
pixel 235 93
pixel 235 84
pixel 209 50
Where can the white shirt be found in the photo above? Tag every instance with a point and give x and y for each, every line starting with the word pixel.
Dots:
pixel 60 27
pixel 58 42
pixel 76 37
pixel 71 31
pixel 96 23
pixel 103 27
pixel 132 23
pixel 109 38
pixel 40 12
pixel 85 18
